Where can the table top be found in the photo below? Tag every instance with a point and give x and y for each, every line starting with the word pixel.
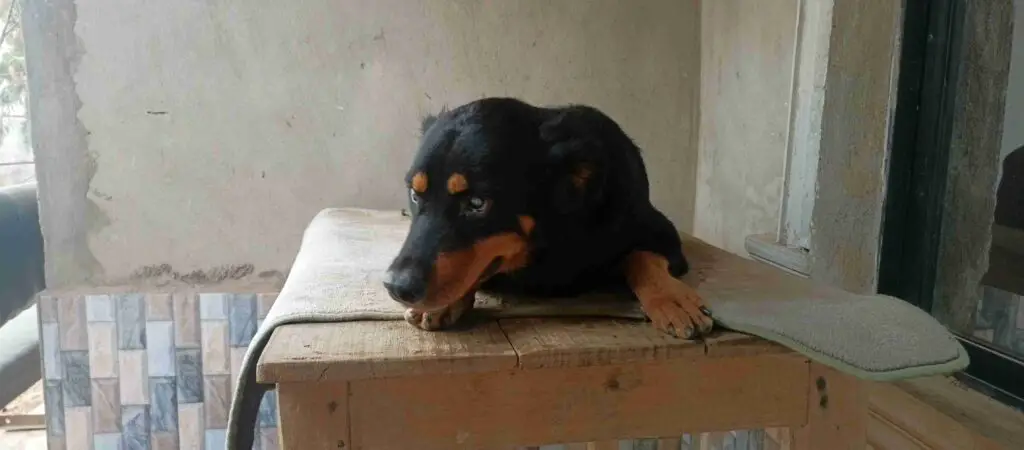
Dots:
pixel 378 349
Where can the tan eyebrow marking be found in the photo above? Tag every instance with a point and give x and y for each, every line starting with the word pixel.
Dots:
pixel 581 176
pixel 419 182
pixel 527 223
pixel 457 183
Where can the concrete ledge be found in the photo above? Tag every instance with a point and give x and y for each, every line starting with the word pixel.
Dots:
pixel 764 248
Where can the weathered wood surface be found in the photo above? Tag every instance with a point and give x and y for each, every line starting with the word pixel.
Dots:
pixel 511 408
pixel 743 294
pixel 546 343
pixel 313 416
pixel 360 350
pixel 509 382
pixel 520 382
pixel 354 350
pixel 837 412
pixel 371 349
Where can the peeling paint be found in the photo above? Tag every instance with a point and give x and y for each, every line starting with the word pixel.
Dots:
pixel 163 273
pixel 272 275
pixel 59 139
pixel 100 195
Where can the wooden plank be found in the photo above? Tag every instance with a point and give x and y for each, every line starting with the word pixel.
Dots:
pixel 885 435
pixel 581 342
pixel 603 445
pixel 837 410
pixel 373 349
pixel 313 416
pixel 945 416
pixel 22 421
pixel 534 407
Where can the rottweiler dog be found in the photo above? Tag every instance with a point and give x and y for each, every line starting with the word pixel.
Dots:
pixel 510 197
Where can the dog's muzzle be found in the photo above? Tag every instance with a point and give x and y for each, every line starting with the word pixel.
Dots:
pixel 410 285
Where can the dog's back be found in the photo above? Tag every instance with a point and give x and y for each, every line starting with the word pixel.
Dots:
pixel 582 237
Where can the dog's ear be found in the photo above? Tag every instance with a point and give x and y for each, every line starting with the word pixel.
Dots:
pixel 429 119
pixel 576 165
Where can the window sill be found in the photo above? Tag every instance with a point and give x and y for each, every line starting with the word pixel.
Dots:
pixel 937 412
pixel 765 248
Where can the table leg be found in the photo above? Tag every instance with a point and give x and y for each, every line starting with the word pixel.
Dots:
pixel 669 443
pixel 836 412
pixel 313 416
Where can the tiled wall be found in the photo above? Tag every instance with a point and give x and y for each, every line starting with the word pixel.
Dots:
pixel 156 371
pixel 775 439
pixel 147 371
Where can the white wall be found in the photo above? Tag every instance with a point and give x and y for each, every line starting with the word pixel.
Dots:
pixel 215 130
pixel 747 50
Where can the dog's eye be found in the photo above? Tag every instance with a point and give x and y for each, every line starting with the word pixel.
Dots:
pixel 414 197
pixel 476 206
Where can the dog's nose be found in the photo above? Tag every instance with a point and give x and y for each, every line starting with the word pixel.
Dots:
pixel 405 285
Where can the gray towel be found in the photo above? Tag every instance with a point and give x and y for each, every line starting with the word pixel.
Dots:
pixel 337 274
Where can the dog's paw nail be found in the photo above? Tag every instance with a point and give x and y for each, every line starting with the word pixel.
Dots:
pixel 705 311
pixel 423 320
pixel 413 317
pixel 707 326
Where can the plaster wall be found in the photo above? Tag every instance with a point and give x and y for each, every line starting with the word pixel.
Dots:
pixel 747 51
pixel 195 140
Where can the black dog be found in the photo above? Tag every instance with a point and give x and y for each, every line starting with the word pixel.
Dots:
pixel 510 197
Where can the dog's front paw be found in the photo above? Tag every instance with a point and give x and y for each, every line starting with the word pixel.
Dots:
pixel 676 308
pixel 439 319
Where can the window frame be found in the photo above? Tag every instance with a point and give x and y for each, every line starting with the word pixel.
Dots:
pixel 803 139
pixel 933 39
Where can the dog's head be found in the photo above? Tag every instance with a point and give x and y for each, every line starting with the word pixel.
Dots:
pixel 484 174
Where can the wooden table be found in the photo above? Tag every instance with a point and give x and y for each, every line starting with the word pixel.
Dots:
pixel 522 382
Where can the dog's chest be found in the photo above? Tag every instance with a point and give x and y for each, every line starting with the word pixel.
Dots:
pixel 573 266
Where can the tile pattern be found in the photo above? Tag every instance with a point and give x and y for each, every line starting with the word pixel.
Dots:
pixel 156 372
pixel 147 371
pixel 731 440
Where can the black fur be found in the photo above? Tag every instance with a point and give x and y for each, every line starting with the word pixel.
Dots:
pixel 523 158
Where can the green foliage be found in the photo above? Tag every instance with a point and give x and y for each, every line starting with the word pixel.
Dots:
pixel 13 80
